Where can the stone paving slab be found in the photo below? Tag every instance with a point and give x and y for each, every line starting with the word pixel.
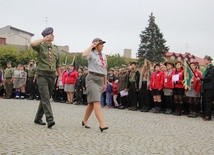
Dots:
pixel 130 132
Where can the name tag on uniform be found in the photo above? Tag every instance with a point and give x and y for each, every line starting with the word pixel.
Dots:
pixel 165 80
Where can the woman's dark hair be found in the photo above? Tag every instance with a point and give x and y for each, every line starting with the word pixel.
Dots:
pixel 156 65
pixel 81 69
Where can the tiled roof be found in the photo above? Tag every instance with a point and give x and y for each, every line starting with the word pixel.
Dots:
pixel 199 60
pixel 186 55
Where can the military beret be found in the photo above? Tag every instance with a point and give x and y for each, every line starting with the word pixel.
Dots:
pixel 208 58
pixel 47 31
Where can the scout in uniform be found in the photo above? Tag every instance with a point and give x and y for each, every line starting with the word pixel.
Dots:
pixel 156 86
pixel 145 95
pixel 48 64
pixel 22 81
pixel 193 93
pixel 123 86
pixel 133 86
pixel 168 87
pixel 178 89
pixel 31 72
pixel 208 87
pixel 8 80
pixel 95 81
pixel 16 77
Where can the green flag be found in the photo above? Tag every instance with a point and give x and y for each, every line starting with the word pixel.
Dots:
pixel 188 75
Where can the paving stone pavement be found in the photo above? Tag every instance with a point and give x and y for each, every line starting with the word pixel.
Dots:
pixel 130 132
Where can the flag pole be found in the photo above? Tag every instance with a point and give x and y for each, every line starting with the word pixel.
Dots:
pixel 73 59
pixel 66 58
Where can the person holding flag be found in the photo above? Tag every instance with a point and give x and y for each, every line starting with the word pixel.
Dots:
pixel 208 87
pixel 192 86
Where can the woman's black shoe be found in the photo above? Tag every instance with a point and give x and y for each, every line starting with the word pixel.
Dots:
pixel 83 124
pixel 105 128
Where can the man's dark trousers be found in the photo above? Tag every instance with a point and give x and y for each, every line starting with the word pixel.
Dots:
pixel 45 85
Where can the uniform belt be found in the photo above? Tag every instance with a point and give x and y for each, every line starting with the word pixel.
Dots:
pixel 96 74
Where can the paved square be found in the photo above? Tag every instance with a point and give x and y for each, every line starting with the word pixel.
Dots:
pixel 129 132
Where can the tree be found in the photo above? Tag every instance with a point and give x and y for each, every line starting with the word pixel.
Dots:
pixel 15 55
pixel 80 61
pixel 115 61
pixel 152 46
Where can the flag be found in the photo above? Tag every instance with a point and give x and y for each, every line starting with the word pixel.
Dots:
pixel 188 75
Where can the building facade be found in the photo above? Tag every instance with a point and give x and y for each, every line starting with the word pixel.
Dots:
pixel 15 36
pixel 127 53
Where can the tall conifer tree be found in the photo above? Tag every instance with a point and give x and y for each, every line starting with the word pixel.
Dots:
pixel 152 46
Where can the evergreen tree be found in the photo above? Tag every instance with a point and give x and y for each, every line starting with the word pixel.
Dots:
pixel 152 46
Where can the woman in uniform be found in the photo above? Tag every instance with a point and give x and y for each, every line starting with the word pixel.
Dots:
pixel 16 76
pixel 178 89
pixel 193 93
pixel 95 81
pixel 156 86
pixel 22 81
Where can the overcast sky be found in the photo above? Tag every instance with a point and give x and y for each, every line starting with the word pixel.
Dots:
pixel 187 25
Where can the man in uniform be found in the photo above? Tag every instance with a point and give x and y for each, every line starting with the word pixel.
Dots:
pixel 133 86
pixel 31 80
pixel 8 80
pixel 208 87
pixel 48 64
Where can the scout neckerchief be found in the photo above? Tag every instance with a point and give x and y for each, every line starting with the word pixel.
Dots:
pixel 50 56
pixel 101 60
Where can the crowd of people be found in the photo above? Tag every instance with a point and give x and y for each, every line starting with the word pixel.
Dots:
pixel 155 88
pixel 19 82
